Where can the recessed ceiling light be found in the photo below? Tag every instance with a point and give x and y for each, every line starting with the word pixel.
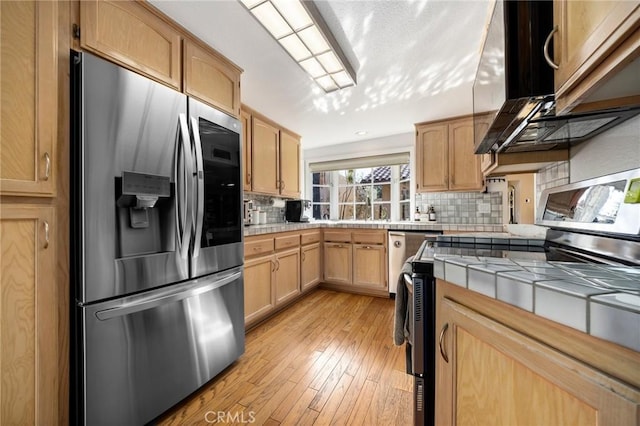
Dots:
pixel 361 132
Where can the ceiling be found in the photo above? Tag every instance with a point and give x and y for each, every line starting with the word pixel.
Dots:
pixel 415 61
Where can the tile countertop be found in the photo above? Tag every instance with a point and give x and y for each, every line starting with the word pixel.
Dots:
pixel 600 300
pixel 399 226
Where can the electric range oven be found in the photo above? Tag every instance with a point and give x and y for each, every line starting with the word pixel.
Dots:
pixel 595 221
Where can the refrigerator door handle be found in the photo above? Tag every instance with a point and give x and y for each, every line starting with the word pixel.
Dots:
pixel 184 173
pixel 199 186
pixel 145 302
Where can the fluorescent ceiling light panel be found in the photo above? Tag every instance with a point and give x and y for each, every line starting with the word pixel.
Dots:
pixel 330 62
pixel 327 83
pixel 299 28
pixel 295 47
pixel 313 67
pixel 343 79
pixel 314 40
pixel 272 20
pixel 295 14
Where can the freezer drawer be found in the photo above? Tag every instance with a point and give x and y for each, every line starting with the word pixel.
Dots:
pixel 145 353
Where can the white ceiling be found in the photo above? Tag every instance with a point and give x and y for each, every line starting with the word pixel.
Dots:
pixel 415 61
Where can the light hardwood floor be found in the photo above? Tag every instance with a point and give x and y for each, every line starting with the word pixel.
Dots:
pixel 327 359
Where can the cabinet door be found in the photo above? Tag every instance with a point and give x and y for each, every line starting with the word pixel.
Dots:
pixel 432 150
pixel 28 314
pixel 499 376
pixel 588 32
pixel 310 263
pixel 369 266
pixel 337 263
pixel 289 165
pixel 28 120
pixel 265 160
pixel 130 34
pixel 287 275
pixel 245 119
pixel 211 78
pixel 464 165
pixel 259 298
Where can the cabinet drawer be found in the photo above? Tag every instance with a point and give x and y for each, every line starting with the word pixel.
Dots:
pixel 287 241
pixel 369 237
pixel 310 237
pixel 338 236
pixel 258 246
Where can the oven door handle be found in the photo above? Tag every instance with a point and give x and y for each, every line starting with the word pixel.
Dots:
pixel 145 302
pixel 199 178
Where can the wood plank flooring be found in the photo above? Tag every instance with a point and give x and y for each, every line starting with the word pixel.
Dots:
pixel 327 359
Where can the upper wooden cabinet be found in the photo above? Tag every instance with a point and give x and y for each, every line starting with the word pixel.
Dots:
pixel 211 79
pixel 128 33
pixel 28 122
pixel 289 165
pixel 594 40
pixel 136 35
pixel 265 148
pixel 28 312
pixel 445 156
pixel 271 158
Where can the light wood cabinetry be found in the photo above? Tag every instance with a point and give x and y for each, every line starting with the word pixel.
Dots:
pixel 247 155
pixel 310 260
pixel 272 162
pixel 210 78
pixel 445 156
pixel 136 35
pixel 355 260
pixel 265 147
pixel 594 41
pixel 28 122
pixel 338 263
pixel 272 274
pixel 28 314
pixel 131 35
pixel 287 280
pixel 259 296
pixel 487 372
pixel 289 165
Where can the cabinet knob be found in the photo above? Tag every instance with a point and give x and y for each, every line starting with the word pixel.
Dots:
pixel 546 49
pixel 442 350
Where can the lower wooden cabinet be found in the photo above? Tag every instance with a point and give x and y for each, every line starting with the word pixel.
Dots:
pixel 488 373
pixel 287 275
pixel 356 260
pixel 29 316
pixel 259 297
pixel 369 266
pixel 271 273
pixel 338 263
pixel 310 266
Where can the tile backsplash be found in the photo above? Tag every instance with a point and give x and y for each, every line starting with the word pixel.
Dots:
pixel 263 203
pixel 551 176
pixel 463 207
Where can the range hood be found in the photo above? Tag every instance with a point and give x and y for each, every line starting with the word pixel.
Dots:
pixel 514 85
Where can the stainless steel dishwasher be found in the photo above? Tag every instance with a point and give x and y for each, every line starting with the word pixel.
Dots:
pixel 403 244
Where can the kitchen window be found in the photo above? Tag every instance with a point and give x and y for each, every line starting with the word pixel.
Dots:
pixel 381 192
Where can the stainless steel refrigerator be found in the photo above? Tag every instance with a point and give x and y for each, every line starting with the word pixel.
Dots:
pixel 156 244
